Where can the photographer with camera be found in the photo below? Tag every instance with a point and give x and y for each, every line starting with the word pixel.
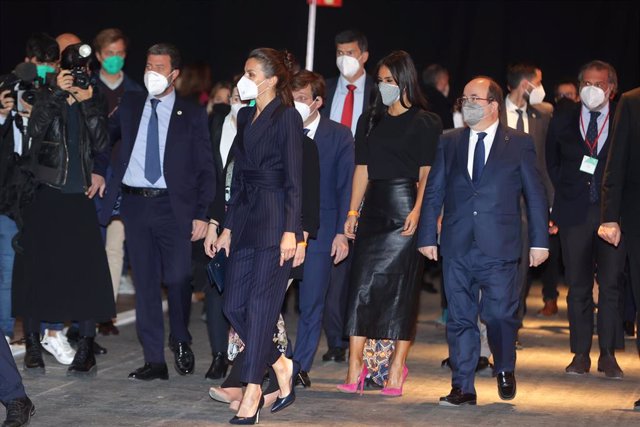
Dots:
pixel 17 94
pixel 62 273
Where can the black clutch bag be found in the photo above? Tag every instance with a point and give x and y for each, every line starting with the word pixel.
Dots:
pixel 216 268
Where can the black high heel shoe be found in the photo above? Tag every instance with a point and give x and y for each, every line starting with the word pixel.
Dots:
pixel 283 402
pixel 245 421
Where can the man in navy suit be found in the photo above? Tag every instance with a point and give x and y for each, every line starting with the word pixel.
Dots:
pixel 164 169
pixel 479 175
pixel 348 96
pixel 336 152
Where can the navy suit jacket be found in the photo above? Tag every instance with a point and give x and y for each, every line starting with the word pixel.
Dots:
pixel 266 189
pixel 565 151
pixel 332 84
pixel 188 162
pixel 489 211
pixel 336 150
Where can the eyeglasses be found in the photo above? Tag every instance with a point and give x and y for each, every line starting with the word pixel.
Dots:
pixel 473 99
pixel 602 85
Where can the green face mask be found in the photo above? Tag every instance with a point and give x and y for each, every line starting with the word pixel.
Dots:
pixel 43 70
pixel 113 64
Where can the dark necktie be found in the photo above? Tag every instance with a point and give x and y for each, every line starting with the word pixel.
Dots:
pixel 478 158
pixel 591 140
pixel 520 122
pixel 347 108
pixel 306 131
pixel 152 168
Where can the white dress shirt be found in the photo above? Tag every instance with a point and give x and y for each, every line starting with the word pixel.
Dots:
pixel 17 135
pixel 358 100
pixel 313 127
pixel 586 117
pixel 134 176
pixel 512 114
pixel 229 130
pixel 488 143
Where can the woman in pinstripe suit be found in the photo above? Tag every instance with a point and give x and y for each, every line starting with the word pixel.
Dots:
pixel 263 224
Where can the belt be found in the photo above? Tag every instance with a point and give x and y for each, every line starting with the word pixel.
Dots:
pixel 144 192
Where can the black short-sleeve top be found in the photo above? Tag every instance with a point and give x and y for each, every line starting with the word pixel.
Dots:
pixel 398 146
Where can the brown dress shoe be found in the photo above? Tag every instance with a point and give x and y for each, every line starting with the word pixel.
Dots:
pixel 550 308
pixel 580 365
pixel 608 364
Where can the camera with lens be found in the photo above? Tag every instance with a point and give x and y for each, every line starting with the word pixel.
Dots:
pixel 23 82
pixel 75 59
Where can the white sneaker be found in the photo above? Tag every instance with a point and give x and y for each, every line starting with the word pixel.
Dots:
pixel 59 347
pixel 126 285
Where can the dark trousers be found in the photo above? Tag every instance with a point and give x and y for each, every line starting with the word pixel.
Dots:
pixel 335 307
pixel 585 255
pixel 465 277
pixel 633 248
pixel 255 285
pixel 217 324
pixel 10 381
pixel 313 292
pixel 524 276
pixel 551 270
pixel 86 328
pixel 160 253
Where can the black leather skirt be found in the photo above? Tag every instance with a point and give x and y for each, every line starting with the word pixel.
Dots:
pixel 384 288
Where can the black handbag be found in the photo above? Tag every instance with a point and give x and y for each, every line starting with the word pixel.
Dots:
pixel 216 268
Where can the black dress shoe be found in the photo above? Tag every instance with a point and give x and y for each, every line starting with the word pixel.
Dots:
pixel 248 420
pixel 150 371
pixel 218 368
pixel 506 385
pixel 108 328
pixel 336 354
pixel 19 412
pixel 184 359
pixel 608 364
pixel 33 361
pixel 303 379
pixel 457 398
pixel 98 349
pixel 636 405
pixel 580 364
pixel 84 362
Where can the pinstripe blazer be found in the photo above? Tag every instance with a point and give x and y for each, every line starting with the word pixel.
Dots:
pixel 266 189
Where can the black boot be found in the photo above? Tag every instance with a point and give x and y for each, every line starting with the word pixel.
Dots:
pixel 19 412
pixel 84 364
pixel 218 368
pixel 73 336
pixel 33 361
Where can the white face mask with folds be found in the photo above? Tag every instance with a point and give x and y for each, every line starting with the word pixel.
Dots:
pixel 155 83
pixel 348 65
pixel 593 97
pixel 537 94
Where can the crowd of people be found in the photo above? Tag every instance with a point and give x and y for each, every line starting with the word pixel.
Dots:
pixel 342 185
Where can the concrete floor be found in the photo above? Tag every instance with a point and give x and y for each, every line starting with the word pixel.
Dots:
pixel 546 396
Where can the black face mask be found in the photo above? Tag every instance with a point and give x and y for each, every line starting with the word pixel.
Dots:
pixel 563 103
pixel 221 108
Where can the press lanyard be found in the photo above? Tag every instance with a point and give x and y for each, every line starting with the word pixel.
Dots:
pixel 593 147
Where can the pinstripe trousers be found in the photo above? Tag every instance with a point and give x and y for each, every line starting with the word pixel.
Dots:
pixel 255 285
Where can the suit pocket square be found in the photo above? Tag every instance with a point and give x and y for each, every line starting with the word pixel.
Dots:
pixel 215 270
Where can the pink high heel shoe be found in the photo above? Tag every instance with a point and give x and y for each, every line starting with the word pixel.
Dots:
pixel 396 392
pixel 354 387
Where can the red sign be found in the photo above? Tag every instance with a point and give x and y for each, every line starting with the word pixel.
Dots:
pixel 327 3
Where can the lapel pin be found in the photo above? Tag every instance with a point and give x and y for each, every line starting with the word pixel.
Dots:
pixel 179 112
pixel 506 138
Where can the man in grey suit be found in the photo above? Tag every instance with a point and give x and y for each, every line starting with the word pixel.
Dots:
pixel 526 111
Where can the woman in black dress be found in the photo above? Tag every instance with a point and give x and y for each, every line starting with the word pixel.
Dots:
pixel 395 145
pixel 62 273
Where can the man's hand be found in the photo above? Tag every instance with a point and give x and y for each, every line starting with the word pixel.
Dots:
pixel 64 80
pixel 298 258
pixel 610 233
pixel 553 228
pixel 431 252
pixel 198 230
pixel 350 226
pixel 97 186
pixel 26 108
pixel 82 94
pixel 6 103
pixel 537 257
pixel 339 248
pixel 210 240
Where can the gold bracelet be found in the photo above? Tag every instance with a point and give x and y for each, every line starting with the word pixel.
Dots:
pixel 353 213
pixel 303 244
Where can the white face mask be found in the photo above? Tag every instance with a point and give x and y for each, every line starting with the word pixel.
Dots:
pixel 537 94
pixel 592 97
pixel 304 109
pixel 248 89
pixel 155 83
pixel 389 93
pixel 235 108
pixel 348 65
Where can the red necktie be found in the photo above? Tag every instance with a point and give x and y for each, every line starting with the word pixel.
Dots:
pixel 347 108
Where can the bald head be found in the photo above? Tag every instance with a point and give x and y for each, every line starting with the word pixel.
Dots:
pixel 488 95
pixel 67 39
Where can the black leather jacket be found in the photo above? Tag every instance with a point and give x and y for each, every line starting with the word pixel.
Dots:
pixel 48 153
